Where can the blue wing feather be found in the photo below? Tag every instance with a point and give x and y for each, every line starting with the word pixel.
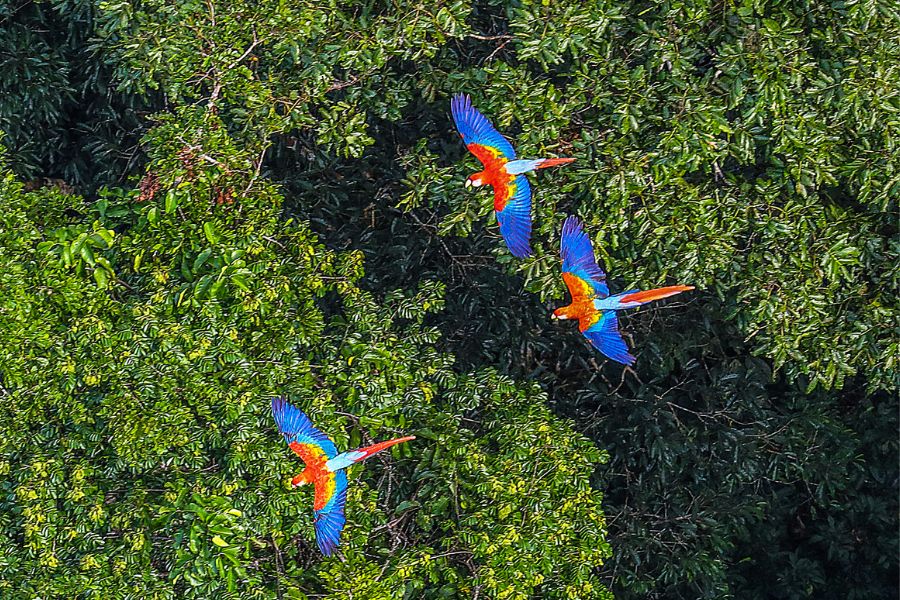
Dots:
pixel 604 336
pixel 515 219
pixel 330 520
pixel 296 427
pixel 578 256
pixel 475 128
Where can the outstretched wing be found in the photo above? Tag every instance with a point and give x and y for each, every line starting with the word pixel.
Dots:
pixel 479 136
pixel 513 205
pixel 309 443
pixel 604 336
pixel 331 496
pixel 580 271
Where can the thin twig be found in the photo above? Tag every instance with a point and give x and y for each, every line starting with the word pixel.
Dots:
pixel 504 36
pixel 279 567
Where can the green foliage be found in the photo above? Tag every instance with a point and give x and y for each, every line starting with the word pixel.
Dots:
pixel 738 149
pixel 749 149
pixel 721 472
pixel 64 117
pixel 143 341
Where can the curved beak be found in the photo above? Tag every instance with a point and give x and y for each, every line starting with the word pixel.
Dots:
pixel 468 183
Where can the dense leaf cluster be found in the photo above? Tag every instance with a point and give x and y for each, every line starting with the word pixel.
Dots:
pixel 64 116
pixel 284 228
pixel 142 343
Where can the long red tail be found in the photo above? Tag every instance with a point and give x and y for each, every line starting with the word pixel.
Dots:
pixel 657 294
pixel 376 448
pixel 552 162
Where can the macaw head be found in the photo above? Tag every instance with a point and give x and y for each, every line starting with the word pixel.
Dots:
pixel 302 479
pixel 562 313
pixel 475 180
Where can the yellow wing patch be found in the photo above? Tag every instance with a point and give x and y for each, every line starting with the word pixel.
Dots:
pixel 578 287
pixel 324 490
pixel 488 155
pixel 310 454
pixel 588 317
pixel 503 192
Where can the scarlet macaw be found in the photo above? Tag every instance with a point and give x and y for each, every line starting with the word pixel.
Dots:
pixel 512 194
pixel 591 303
pixel 324 469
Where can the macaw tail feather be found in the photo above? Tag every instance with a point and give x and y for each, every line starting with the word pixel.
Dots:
pixel 552 162
pixel 344 460
pixel 657 294
pixel 376 448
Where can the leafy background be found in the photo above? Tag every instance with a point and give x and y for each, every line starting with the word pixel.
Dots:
pixel 207 203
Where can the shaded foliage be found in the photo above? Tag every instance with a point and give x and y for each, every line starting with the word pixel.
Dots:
pixel 62 111
pixel 139 455
pixel 748 149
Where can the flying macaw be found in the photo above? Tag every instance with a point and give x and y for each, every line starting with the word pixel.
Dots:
pixel 324 469
pixel 512 194
pixel 591 303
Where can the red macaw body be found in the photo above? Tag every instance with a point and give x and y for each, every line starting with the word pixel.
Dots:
pixel 324 469
pixel 512 192
pixel 591 304
pixel 494 173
